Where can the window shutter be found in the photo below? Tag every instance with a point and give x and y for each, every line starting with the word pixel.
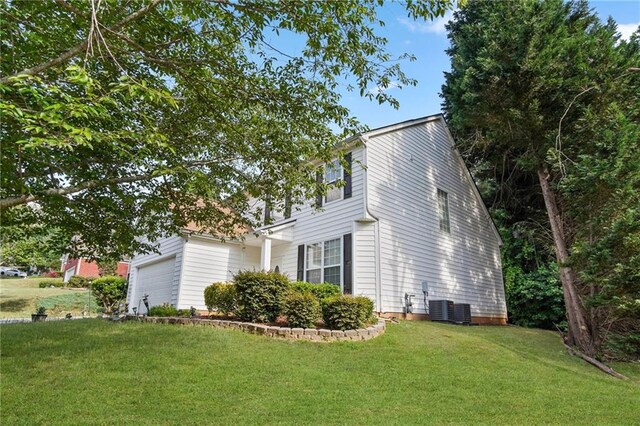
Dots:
pixel 267 210
pixel 347 255
pixel 287 206
pixel 319 178
pixel 347 176
pixel 300 276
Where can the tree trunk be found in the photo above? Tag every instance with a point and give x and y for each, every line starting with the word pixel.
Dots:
pixel 579 334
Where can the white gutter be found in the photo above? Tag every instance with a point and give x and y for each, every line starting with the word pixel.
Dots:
pixel 365 140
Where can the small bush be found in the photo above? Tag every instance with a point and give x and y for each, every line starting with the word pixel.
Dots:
pixel 347 312
pixel 109 291
pixel 221 297
pixel 260 295
pixel 185 313
pixel 78 281
pixel 301 309
pixel 51 274
pixel 164 310
pixel 320 291
pixel 50 283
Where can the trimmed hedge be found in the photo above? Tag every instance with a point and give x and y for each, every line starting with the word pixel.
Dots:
pixel 260 295
pixel 78 281
pixel 50 283
pixel 301 309
pixel 320 291
pixel 164 310
pixel 347 312
pixel 221 297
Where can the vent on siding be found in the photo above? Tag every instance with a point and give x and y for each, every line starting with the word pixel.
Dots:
pixel 462 313
pixel 440 310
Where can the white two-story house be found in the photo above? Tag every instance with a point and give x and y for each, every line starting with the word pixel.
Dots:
pixel 408 221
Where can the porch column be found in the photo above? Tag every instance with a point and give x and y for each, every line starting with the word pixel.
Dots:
pixel 265 255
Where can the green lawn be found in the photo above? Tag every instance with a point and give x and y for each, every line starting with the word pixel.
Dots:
pixel 19 298
pixel 96 372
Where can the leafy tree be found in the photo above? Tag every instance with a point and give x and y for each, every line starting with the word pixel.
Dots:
pixel 33 245
pixel 131 119
pixel 604 187
pixel 524 77
pixel 532 286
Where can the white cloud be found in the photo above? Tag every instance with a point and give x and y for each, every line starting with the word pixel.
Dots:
pixel 379 89
pixel 626 30
pixel 434 27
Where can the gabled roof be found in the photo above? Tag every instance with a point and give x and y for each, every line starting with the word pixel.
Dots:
pixel 398 126
pixel 421 120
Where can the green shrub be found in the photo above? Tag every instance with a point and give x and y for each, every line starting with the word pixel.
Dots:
pixel 301 309
pixel 164 310
pixel 221 297
pixel 320 291
pixel 78 281
pixel 347 312
pixel 623 347
pixel 109 291
pixel 260 295
pixel 185 313
pixel 50 283
pixel 534 298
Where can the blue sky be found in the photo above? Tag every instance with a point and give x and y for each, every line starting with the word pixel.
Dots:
pixel 428 42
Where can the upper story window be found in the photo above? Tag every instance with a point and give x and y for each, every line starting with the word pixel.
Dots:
pixel 332 175
pixel 443 211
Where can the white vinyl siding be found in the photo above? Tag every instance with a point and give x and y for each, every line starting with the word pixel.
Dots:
pixel 405 169
pixel 364 260
pixel 207 261
pixel 443 211
pixel 333 220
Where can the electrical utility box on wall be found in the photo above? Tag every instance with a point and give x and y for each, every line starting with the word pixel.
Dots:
pixel 441 310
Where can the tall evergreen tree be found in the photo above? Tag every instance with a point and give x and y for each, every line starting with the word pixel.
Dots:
pixel 525 76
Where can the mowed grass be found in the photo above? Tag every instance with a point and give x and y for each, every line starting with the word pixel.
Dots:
pixel 20 297
pixel 97 372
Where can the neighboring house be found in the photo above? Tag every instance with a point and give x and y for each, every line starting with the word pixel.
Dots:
pixel 408 217
pixel 85 268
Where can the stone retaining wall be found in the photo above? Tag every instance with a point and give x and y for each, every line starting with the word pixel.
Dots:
pixel 316 335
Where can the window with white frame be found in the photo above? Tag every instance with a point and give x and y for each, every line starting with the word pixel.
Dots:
pixel 443 211
pixel 332 175
pixel 324 262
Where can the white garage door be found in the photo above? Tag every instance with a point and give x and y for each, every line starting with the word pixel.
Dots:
pixel 156 280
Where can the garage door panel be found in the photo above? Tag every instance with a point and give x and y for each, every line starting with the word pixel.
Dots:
pixel 156 280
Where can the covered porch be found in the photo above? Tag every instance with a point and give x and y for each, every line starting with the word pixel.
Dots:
pixel 268 237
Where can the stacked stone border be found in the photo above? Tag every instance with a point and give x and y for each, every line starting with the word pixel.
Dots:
pixel 312 334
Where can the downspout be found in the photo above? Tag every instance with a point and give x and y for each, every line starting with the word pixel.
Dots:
pixel 365 140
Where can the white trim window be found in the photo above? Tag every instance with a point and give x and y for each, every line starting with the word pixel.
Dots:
pixel 324 262
pixel 443 211
pixel 332 176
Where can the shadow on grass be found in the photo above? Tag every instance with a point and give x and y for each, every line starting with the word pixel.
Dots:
pixel 14 305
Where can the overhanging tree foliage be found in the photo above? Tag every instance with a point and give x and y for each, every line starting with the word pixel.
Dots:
pixel 526 78
pixel 134 118
pixel 35 245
